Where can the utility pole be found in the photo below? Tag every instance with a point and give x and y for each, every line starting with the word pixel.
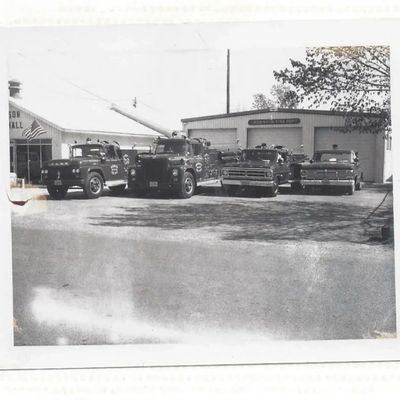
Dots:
pixel 228 67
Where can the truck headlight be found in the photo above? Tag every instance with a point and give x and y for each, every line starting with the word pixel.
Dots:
pixel 225 172
pixel 133 172
pixel 303 174
pixel 268 173
pixel 175 172
pixel 75 170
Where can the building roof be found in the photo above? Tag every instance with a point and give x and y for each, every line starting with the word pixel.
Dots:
pixel 278 110
pixel 70 110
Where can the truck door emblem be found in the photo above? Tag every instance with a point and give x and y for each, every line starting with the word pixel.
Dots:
pixel 199 167
pixel 114 169
pixel 126 159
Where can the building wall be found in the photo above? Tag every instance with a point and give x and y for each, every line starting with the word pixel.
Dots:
pixel 308 124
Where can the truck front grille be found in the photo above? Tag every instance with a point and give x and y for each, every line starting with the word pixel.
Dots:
pixel 245 173
pixel 155 169
pixel 65 172
pixel 327 174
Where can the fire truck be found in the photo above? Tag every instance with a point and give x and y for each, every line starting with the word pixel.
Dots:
pixel 90 167
pixel 177 164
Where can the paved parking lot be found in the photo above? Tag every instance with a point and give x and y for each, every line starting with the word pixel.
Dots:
pixel 155 270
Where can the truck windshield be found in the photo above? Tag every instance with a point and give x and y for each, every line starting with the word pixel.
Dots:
pixel 344 157
pixel 260 155
pixel 87 151
pixel 172 147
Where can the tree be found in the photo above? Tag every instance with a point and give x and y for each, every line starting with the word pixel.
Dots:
pixel 283 96
pixel 260 101
pixel 351 79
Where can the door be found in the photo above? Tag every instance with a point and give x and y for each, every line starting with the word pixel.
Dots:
pixel 197 162
pixel 219 138
pixel 113 167
pixel 12 157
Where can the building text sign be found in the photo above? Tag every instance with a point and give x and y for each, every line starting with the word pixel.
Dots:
pixel 13 122
pixel 274 121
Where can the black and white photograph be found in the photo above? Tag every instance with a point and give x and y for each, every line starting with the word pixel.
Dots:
pixel 181 185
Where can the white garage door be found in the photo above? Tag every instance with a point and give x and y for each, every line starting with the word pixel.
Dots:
pixel 288 137
pixel 364 144
pixel 219 138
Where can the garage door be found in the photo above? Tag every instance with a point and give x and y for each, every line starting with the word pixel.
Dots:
pixel 288 137
pixel 364 144
pixel 219 138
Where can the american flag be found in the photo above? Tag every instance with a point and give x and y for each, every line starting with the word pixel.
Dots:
pixel 33 131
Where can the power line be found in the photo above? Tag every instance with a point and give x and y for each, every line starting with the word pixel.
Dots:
pixel 70 82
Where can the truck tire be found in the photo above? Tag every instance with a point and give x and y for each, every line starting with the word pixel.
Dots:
pixel 93 186
pixel 358 184
pixel 188 186
pixel 117 189
pixel 273 190
pixel 57 192
pixel 350 190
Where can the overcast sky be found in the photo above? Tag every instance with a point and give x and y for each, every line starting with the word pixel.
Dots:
pixel 174 72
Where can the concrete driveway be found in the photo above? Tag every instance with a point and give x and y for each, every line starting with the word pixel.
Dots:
pixel 211 268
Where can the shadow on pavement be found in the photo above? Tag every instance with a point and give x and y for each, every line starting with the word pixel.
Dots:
pixel 260 221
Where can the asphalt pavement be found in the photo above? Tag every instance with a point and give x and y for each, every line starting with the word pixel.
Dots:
pixel 120 269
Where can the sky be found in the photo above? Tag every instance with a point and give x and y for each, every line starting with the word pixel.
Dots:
pixel 174 72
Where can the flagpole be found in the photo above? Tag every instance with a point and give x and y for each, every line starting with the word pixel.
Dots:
pixel 29 168
pixel 40 153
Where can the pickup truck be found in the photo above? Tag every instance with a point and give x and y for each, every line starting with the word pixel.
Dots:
pixel 261 169
pixel 336 168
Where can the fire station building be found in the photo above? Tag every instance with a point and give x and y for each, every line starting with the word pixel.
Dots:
pixel 65 124
pixel 298 130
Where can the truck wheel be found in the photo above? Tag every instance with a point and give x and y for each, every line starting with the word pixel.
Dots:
pixel 350 190
pixel 94 186
pixel 57 192
pixel 358 184
pixel 273 190
pixel 117 189
pixel 188 186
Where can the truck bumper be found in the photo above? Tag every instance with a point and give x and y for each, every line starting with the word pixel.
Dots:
pixel 64 182
pixel 238 182
pixel 327 182
pixel 154 187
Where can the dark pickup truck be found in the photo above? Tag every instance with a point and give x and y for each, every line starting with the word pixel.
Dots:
pixel 337 169
pixel 260 169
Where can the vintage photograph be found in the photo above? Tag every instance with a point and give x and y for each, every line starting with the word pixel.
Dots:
pixel 182 192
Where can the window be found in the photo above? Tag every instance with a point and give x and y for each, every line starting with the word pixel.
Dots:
pixel 197 149
pixel 110 153
pixel 334 157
